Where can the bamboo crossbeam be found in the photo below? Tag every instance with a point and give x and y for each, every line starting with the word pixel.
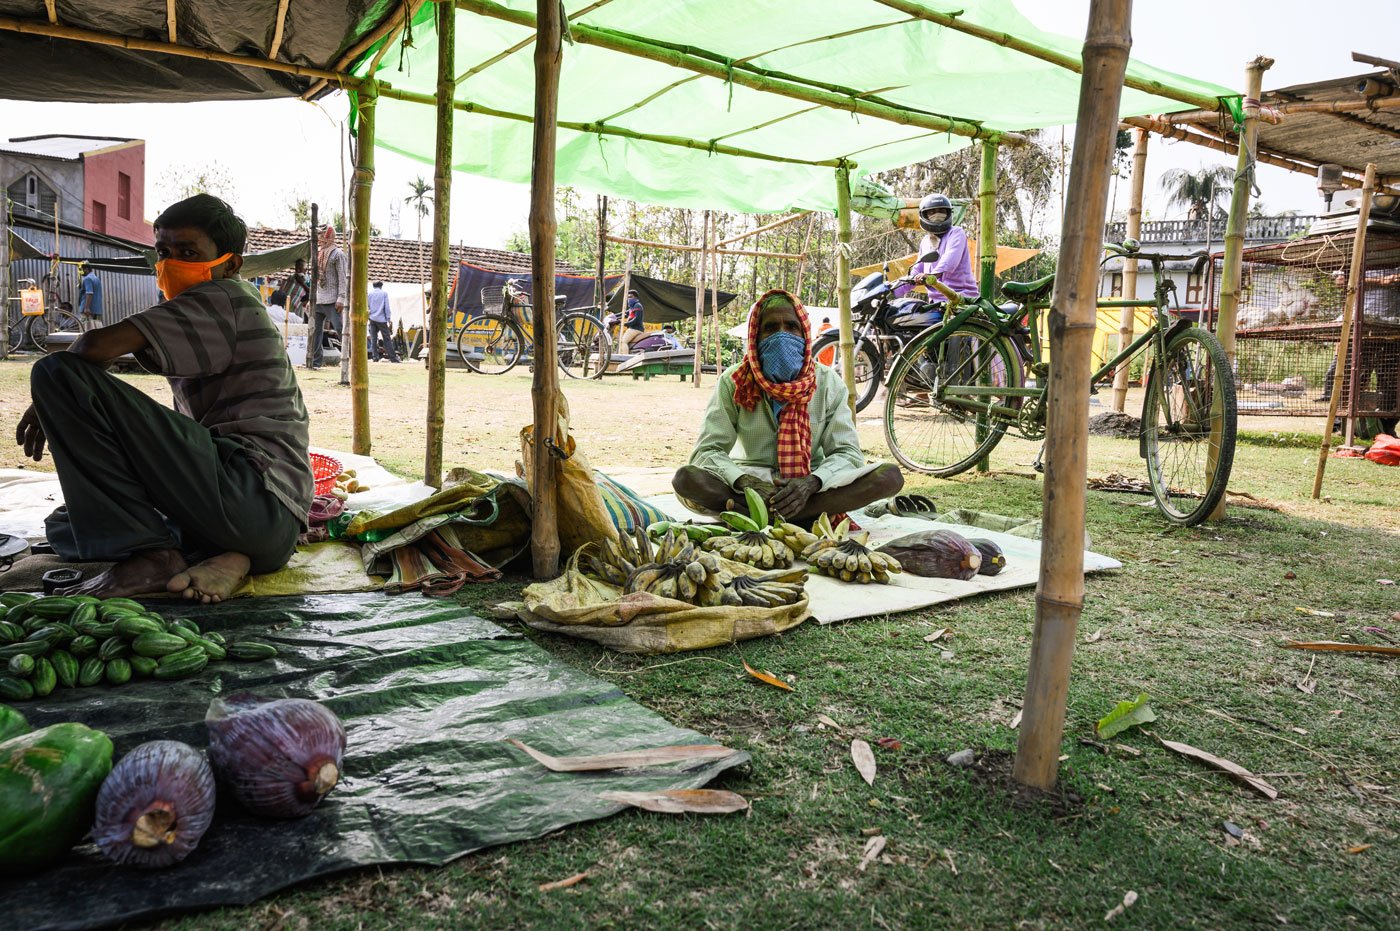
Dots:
pixel 549 55
pixel 1349 105
pixel 1127 319
pixel 763 229
pixel 605 129
pixel 678 247
pixel 277 28
pixel 442 194
pixel 93 37
pixel 363 186
pixel 359 48
pixel 520 46
pixel 640 48
pixel 1349 309
pixel 1059 599
pixel 1006 40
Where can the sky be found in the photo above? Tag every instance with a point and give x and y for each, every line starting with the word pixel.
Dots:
pixel 281 150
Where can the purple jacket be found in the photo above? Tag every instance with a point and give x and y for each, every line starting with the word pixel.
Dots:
pixel 953 266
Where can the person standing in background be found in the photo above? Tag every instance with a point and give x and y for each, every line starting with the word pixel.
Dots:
pixel 297 291
pixel 332 285
pixel 89 297
pixel 379 324
pixel 827 356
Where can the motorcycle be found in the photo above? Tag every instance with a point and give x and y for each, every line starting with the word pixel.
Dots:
pixel 650 341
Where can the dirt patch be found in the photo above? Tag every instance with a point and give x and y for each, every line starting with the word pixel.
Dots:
pixel 1114 424
pixel 992 769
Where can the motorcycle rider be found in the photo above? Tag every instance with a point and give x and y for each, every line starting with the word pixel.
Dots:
pixel 952 265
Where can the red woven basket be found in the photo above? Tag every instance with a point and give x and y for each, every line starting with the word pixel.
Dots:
pixel 325 471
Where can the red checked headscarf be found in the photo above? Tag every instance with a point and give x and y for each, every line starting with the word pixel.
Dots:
pixel 750 385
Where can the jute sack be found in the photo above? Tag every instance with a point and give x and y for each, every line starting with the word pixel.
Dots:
pixel 579 606
pixel 582 516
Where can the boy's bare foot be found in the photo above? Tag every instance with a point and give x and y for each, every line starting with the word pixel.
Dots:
pixel 212 580
pixel 142 573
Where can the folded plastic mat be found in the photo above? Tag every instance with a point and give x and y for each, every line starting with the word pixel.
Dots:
pixel 428 694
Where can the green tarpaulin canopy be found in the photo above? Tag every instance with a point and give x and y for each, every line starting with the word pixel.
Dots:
pixel 863 49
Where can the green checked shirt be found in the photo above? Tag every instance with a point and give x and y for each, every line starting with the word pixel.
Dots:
pixel 732 438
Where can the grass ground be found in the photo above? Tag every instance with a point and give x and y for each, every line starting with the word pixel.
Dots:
pixel 1195 618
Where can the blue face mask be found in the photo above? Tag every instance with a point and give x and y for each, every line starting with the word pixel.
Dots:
pixel 781 356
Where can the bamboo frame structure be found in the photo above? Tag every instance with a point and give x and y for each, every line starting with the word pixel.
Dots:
pixel 700 264
pixel 278 26
pixel 410 10
pixel 549 57
pixel 363 185
pixel 1349 310
pixel 681 247
pixel 714 318
pixel 763 229
pixel 442 202
pixel 1127 319
pixel 846 346
pixel 987 235
pixel 1060 594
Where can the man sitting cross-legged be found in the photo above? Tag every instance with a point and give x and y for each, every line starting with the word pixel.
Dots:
pixel 188 500
pixel 780 423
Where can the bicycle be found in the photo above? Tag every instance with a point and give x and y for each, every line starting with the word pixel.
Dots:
pixel 960 386
pixel 40 314
pixel 494 342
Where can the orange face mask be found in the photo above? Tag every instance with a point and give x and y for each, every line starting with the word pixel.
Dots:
pixel 173 277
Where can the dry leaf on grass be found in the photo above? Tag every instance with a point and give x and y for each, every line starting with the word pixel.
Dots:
pixel 1359 848
pixel 573 880
pixel 680 801
pixel 936 635
pixel 1334 646
pixel 873 848
pixel 864 759
pixel 1015 720
pixel 823 719
pixel 627 759
pixel 889 743
pixel 1225 766
pixel 1128 899
pixel 1095 637
pixel 1314 612
pixel 767 678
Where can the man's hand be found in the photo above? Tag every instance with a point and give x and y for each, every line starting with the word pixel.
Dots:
pixel 765 490
pixel 339 305
pixel 792 495
pixel 30 435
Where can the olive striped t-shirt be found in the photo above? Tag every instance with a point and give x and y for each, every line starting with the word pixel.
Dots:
pixel 229 371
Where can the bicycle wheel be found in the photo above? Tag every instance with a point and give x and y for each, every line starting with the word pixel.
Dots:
pixel 583 346
pixel 929 426
pixel 490 344
pixel 1189 441
pixel 54 321
pixel 869 365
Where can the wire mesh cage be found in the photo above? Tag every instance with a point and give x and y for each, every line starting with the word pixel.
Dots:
pixel 1292 295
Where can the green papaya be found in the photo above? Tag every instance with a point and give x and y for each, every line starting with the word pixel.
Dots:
pixel 90 671
pixel 45 679
pixel 48 789
pixel 21 666
pixel 12 723
pixel 66 666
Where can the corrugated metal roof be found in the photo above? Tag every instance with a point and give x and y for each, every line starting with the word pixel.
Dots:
pixel 68 148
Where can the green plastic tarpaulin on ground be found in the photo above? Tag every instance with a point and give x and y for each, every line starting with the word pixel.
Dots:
pixel 858 44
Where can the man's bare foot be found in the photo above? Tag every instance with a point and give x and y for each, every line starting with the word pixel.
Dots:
pixel 143 573
pixel 212 580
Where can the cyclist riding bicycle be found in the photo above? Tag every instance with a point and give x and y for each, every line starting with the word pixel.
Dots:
pixel 951 266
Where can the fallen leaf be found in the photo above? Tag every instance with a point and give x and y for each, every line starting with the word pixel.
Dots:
pixel 871 832
pixel 823 719
pixel 873 848
pixel 627 759
pixel 1127 750
pixel 1224 765
pixel 936 635
pixel 1385 581
pixel 1359 848
pixel 1233 829
pixel 1290 575
pixel 864 759
pixel 1314 612
pixel 1128 899
pixel 948 855
pixel 573 880
pixel 1015 720
pixel 506 610
pixel 889 743
pixel 679 801
pixel 1334 646
pixel 767 678
pixel 1124 715
pixel 1095 637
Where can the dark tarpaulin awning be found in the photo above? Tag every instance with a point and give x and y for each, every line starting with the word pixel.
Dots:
pixel 319 35
pixel 666 301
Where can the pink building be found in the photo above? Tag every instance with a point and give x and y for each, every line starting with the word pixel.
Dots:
pixel 97 182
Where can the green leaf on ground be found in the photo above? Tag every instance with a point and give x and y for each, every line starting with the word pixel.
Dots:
pixel 1124 715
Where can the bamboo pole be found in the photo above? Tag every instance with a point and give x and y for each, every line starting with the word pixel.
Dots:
pixel 847 344
pixel 957 22
pixel 987 242
pixel 313 334
pixel 1127 319
pixel 1349 313
pixel 714 311
pixel 763 229
pixel 715 67
pixel 382 31
pixel 601 291
pixel 363 184
pixel 549 56
pixel 680 247
pixel 1295 106
pixel 1060 594
pixel 700 293
pixel 802 262
pixel 442 191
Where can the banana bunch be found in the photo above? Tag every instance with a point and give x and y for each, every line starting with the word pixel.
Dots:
pixel 843 555
pixel 696 533
pixel 752 541
pixel 677 570
pixel 617 559
pixel 794 536
pixel 766 589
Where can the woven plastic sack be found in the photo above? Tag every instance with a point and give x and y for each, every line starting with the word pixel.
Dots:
pixel 578 606
pixel 582 516
pixel 1385 450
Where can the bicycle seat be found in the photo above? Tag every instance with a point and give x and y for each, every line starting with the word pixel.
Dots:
pixel 1029 290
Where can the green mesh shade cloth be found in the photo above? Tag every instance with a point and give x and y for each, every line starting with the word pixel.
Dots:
pixel 861 47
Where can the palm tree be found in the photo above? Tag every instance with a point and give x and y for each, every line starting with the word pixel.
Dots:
pixel 421 200
pixel 1200 192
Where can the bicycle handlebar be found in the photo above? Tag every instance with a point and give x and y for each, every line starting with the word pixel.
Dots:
pixel 1128 249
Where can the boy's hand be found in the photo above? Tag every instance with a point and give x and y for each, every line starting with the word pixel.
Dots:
pixel 30 435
